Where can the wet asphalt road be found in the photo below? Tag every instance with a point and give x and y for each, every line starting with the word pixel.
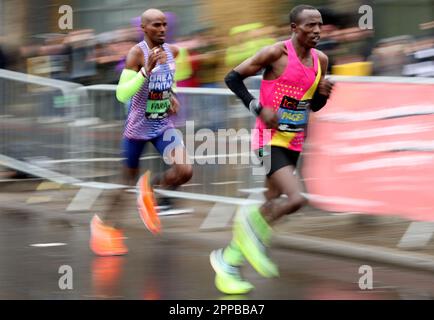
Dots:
pixel 173 265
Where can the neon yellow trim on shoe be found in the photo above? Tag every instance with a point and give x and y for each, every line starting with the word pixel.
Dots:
pixel 228 279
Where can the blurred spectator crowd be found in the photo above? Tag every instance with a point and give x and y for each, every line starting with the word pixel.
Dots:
pixel 85 57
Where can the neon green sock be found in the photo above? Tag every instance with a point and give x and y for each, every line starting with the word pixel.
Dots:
pixel 262 228
pixel 232 255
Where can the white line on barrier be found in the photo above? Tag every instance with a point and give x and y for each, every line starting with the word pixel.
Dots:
pixel 174 212
pixel 36 171
pixel 341 200
pixel 66 87
pixel 85 160
pixel 379 114
pixel 208 91
pixel 253 190
pixel 375 79
pixel 108 125
pixel 100 185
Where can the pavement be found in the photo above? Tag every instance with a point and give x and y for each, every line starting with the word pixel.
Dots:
pixel 383 239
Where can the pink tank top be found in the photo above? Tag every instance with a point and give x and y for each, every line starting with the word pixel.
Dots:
pixel 288 95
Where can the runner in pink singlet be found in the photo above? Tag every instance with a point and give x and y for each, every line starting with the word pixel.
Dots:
pixel 288 95
pixel 293 84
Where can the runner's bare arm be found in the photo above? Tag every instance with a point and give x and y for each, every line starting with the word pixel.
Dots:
pixel 263 59
pixel 134 59
pixel 234 80
pixel 174 49
pixel 324 62
pixel 174 102
pixel 325 86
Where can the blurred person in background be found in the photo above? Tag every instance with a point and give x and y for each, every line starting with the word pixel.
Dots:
pixel 57 57
pixel 420 54
pixel 147 81
pixel 246 40
pixel 389 56
pixel 81 47
pixel 111 51
pixel 208 58
pixel 3 60
pixel 293 83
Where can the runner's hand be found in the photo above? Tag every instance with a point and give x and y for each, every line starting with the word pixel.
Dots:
pixel 174 105
pixel 325 87
pixel 269 117
pixel 157 54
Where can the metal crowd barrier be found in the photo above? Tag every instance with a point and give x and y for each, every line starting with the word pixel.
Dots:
pixel 77 131
pixel 36 115
pixel 202 108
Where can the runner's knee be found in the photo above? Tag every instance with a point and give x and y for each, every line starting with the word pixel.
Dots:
pixel 184 173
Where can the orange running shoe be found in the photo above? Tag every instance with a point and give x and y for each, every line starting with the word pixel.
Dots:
pixel 146 204
pixel 105 240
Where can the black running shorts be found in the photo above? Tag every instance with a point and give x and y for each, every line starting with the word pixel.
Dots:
pixel 274 158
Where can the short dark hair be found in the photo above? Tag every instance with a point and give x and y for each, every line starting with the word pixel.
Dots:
pixel 295 12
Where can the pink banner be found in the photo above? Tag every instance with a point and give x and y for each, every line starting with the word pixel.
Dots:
pixel 371 150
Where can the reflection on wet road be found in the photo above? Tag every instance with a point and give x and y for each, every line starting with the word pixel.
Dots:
pixel 173 265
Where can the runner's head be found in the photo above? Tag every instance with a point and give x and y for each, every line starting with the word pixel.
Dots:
pixel 154 26
pixel 306 22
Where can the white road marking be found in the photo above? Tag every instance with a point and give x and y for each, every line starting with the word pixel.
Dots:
pixel 38 199
pixel 253 190
pixel 192 185
pixel 418 235
pixel 225 183
pixel 84 199
pixel 46 245
pixel 221 214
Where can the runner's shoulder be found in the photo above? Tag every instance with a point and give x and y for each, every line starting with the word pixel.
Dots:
pixel 134 58
pixel 322 56
pixel 136 51
pixel 275 51
pixel 174 49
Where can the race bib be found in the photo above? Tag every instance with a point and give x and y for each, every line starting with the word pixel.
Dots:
pixel 293 115
pixel 157 109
